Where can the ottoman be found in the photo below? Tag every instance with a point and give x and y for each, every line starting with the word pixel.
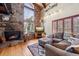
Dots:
pixel 42 41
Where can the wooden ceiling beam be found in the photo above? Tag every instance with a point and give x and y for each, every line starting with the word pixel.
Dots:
pixel 45 5
pixel 4 9
pixel 39 5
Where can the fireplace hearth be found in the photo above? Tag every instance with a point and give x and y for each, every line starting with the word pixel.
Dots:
pixel 10 38
pixel 12 35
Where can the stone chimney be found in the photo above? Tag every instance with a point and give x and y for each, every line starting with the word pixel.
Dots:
pixel 18 16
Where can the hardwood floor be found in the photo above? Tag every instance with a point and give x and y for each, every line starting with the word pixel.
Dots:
pixel 18 50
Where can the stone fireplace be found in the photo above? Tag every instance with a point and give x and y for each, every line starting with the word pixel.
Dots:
pixel 11 31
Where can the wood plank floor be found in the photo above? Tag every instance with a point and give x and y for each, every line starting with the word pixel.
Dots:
pixel 18 50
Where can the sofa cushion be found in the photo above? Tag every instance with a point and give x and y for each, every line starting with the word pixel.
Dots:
pixel 62 45
pixel 56 40
pixel 51 36
pixel 59 35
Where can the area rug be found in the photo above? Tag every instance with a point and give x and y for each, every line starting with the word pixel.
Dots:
pixel 36 50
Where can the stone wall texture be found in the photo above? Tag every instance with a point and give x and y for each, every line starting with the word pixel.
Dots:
pixel 38 15
pixel 18 16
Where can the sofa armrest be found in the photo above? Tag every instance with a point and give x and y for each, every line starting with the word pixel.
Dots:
pixel 53 51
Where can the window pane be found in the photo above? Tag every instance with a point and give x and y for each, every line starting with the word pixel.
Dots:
pixel 67 25
pixel 54 27
pixel 76 25
pixel 60 26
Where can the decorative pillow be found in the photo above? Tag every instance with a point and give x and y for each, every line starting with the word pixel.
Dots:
pixel 73 49
pixel 77 36
pixel 73 41
pixel 50 36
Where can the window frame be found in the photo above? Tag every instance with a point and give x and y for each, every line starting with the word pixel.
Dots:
pixel 63 19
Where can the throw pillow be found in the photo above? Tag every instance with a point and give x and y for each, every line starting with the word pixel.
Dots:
pixel 73 49
pixel 73 41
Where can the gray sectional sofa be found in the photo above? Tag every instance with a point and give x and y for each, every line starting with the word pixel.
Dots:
pixel 60 45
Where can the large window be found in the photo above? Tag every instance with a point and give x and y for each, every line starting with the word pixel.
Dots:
pixel 76 25
pixel 60 26
pixel 67 25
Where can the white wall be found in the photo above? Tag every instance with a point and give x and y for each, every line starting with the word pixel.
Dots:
pixel 58 12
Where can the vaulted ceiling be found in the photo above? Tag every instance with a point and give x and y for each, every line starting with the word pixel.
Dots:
pixel 37 9
pixel 32 5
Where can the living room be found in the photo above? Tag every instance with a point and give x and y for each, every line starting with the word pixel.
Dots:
pixel 39 29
